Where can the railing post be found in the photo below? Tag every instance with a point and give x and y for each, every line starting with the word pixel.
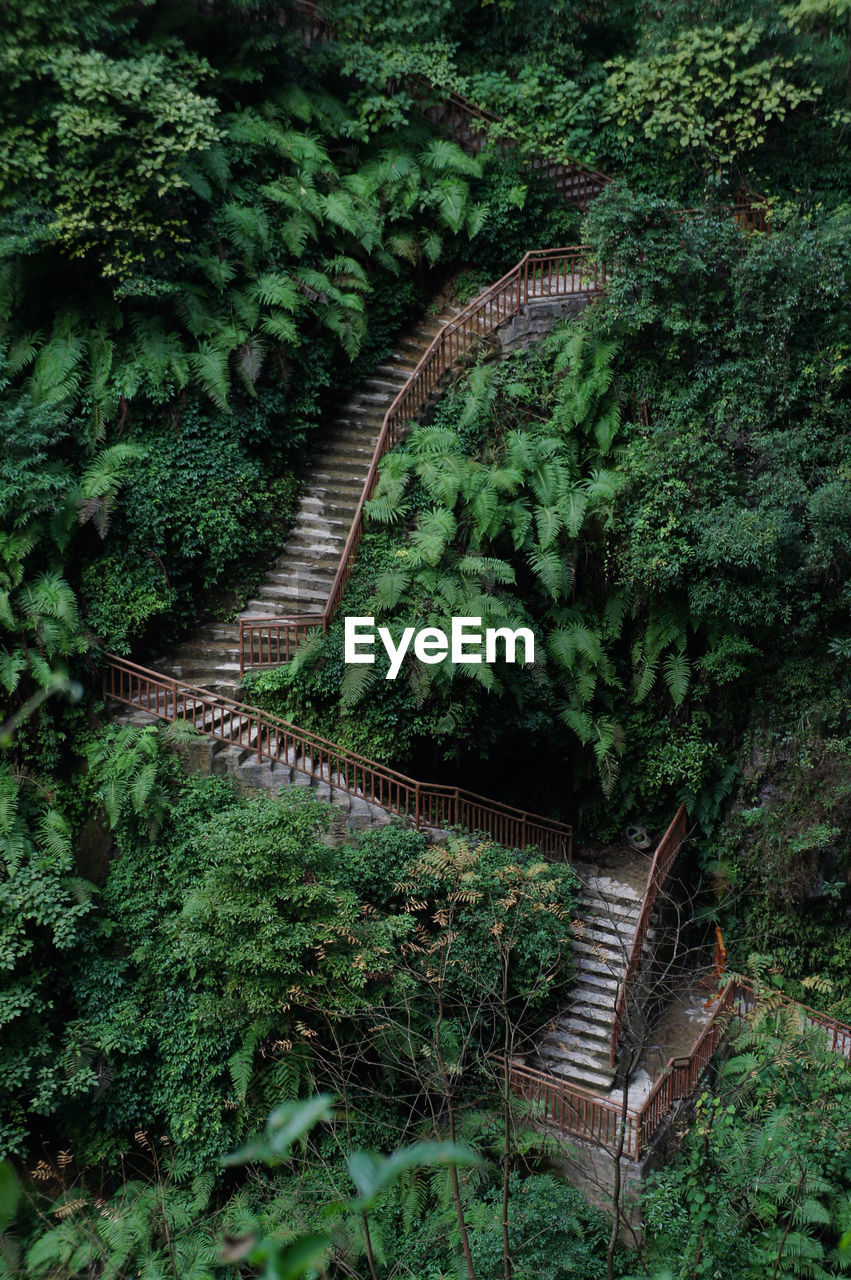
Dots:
pixel 417 815
pixel 259 736
pixel 241 648
pixel 173 700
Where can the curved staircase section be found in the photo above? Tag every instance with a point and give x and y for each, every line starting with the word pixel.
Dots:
pixel 316 761
pixel 299 584
pixel 542 275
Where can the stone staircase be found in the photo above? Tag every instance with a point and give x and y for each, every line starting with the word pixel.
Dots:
pixel 575 1044
pixel 300 580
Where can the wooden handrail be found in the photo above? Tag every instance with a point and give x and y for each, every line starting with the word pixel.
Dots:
pixel 663 860
pixel 426 804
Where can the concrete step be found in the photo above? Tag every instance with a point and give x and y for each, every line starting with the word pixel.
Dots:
pixel 340 464
pixel 585 1077
pixel 585 1029
pixel 599 951
pixel 300 590
pixel 603 983
pixel 585 995
pixel 625 913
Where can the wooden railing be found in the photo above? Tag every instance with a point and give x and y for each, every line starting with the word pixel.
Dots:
pixel 268 642
pixel 542 273
pixel 586 1115
pixel 663 860
pixel 575 1111
pixel 272 738
pixel 474 128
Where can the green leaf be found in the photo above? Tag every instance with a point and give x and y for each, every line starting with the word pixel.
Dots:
pixel 677 672
pixel 10 1194
pixel 373 1175
pixel 286 1125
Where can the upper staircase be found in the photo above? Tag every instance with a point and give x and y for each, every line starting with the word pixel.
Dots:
pixel 300 580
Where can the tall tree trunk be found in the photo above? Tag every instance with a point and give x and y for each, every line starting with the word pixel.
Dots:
pixel 616 1182
pixel 453 1169
pixel 507 1050
pixel 367 1240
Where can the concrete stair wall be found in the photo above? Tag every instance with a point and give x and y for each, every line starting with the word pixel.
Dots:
pixel 206 756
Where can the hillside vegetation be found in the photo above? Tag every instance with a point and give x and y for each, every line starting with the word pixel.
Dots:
pixel 211 229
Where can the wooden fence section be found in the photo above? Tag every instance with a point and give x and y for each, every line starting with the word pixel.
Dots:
pixel 268 642
pixel 585 1115
pixel 541 273
pixel 272 738
pixel 573 1111
pixel 663 860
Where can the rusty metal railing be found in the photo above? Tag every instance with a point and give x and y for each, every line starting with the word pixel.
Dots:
pixel 663 860
pixel 268 642
pixel 576 1111
pixel 272 738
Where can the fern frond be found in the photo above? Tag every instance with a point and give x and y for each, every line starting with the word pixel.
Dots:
pixel 677 671
pixel 210 365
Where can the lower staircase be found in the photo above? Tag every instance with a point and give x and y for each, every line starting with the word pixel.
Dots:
pixel 575 1045
pixel 300 580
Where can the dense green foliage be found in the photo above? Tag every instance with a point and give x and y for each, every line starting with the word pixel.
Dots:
pixel 655 560
pixel 767 1159
pixel 209 229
